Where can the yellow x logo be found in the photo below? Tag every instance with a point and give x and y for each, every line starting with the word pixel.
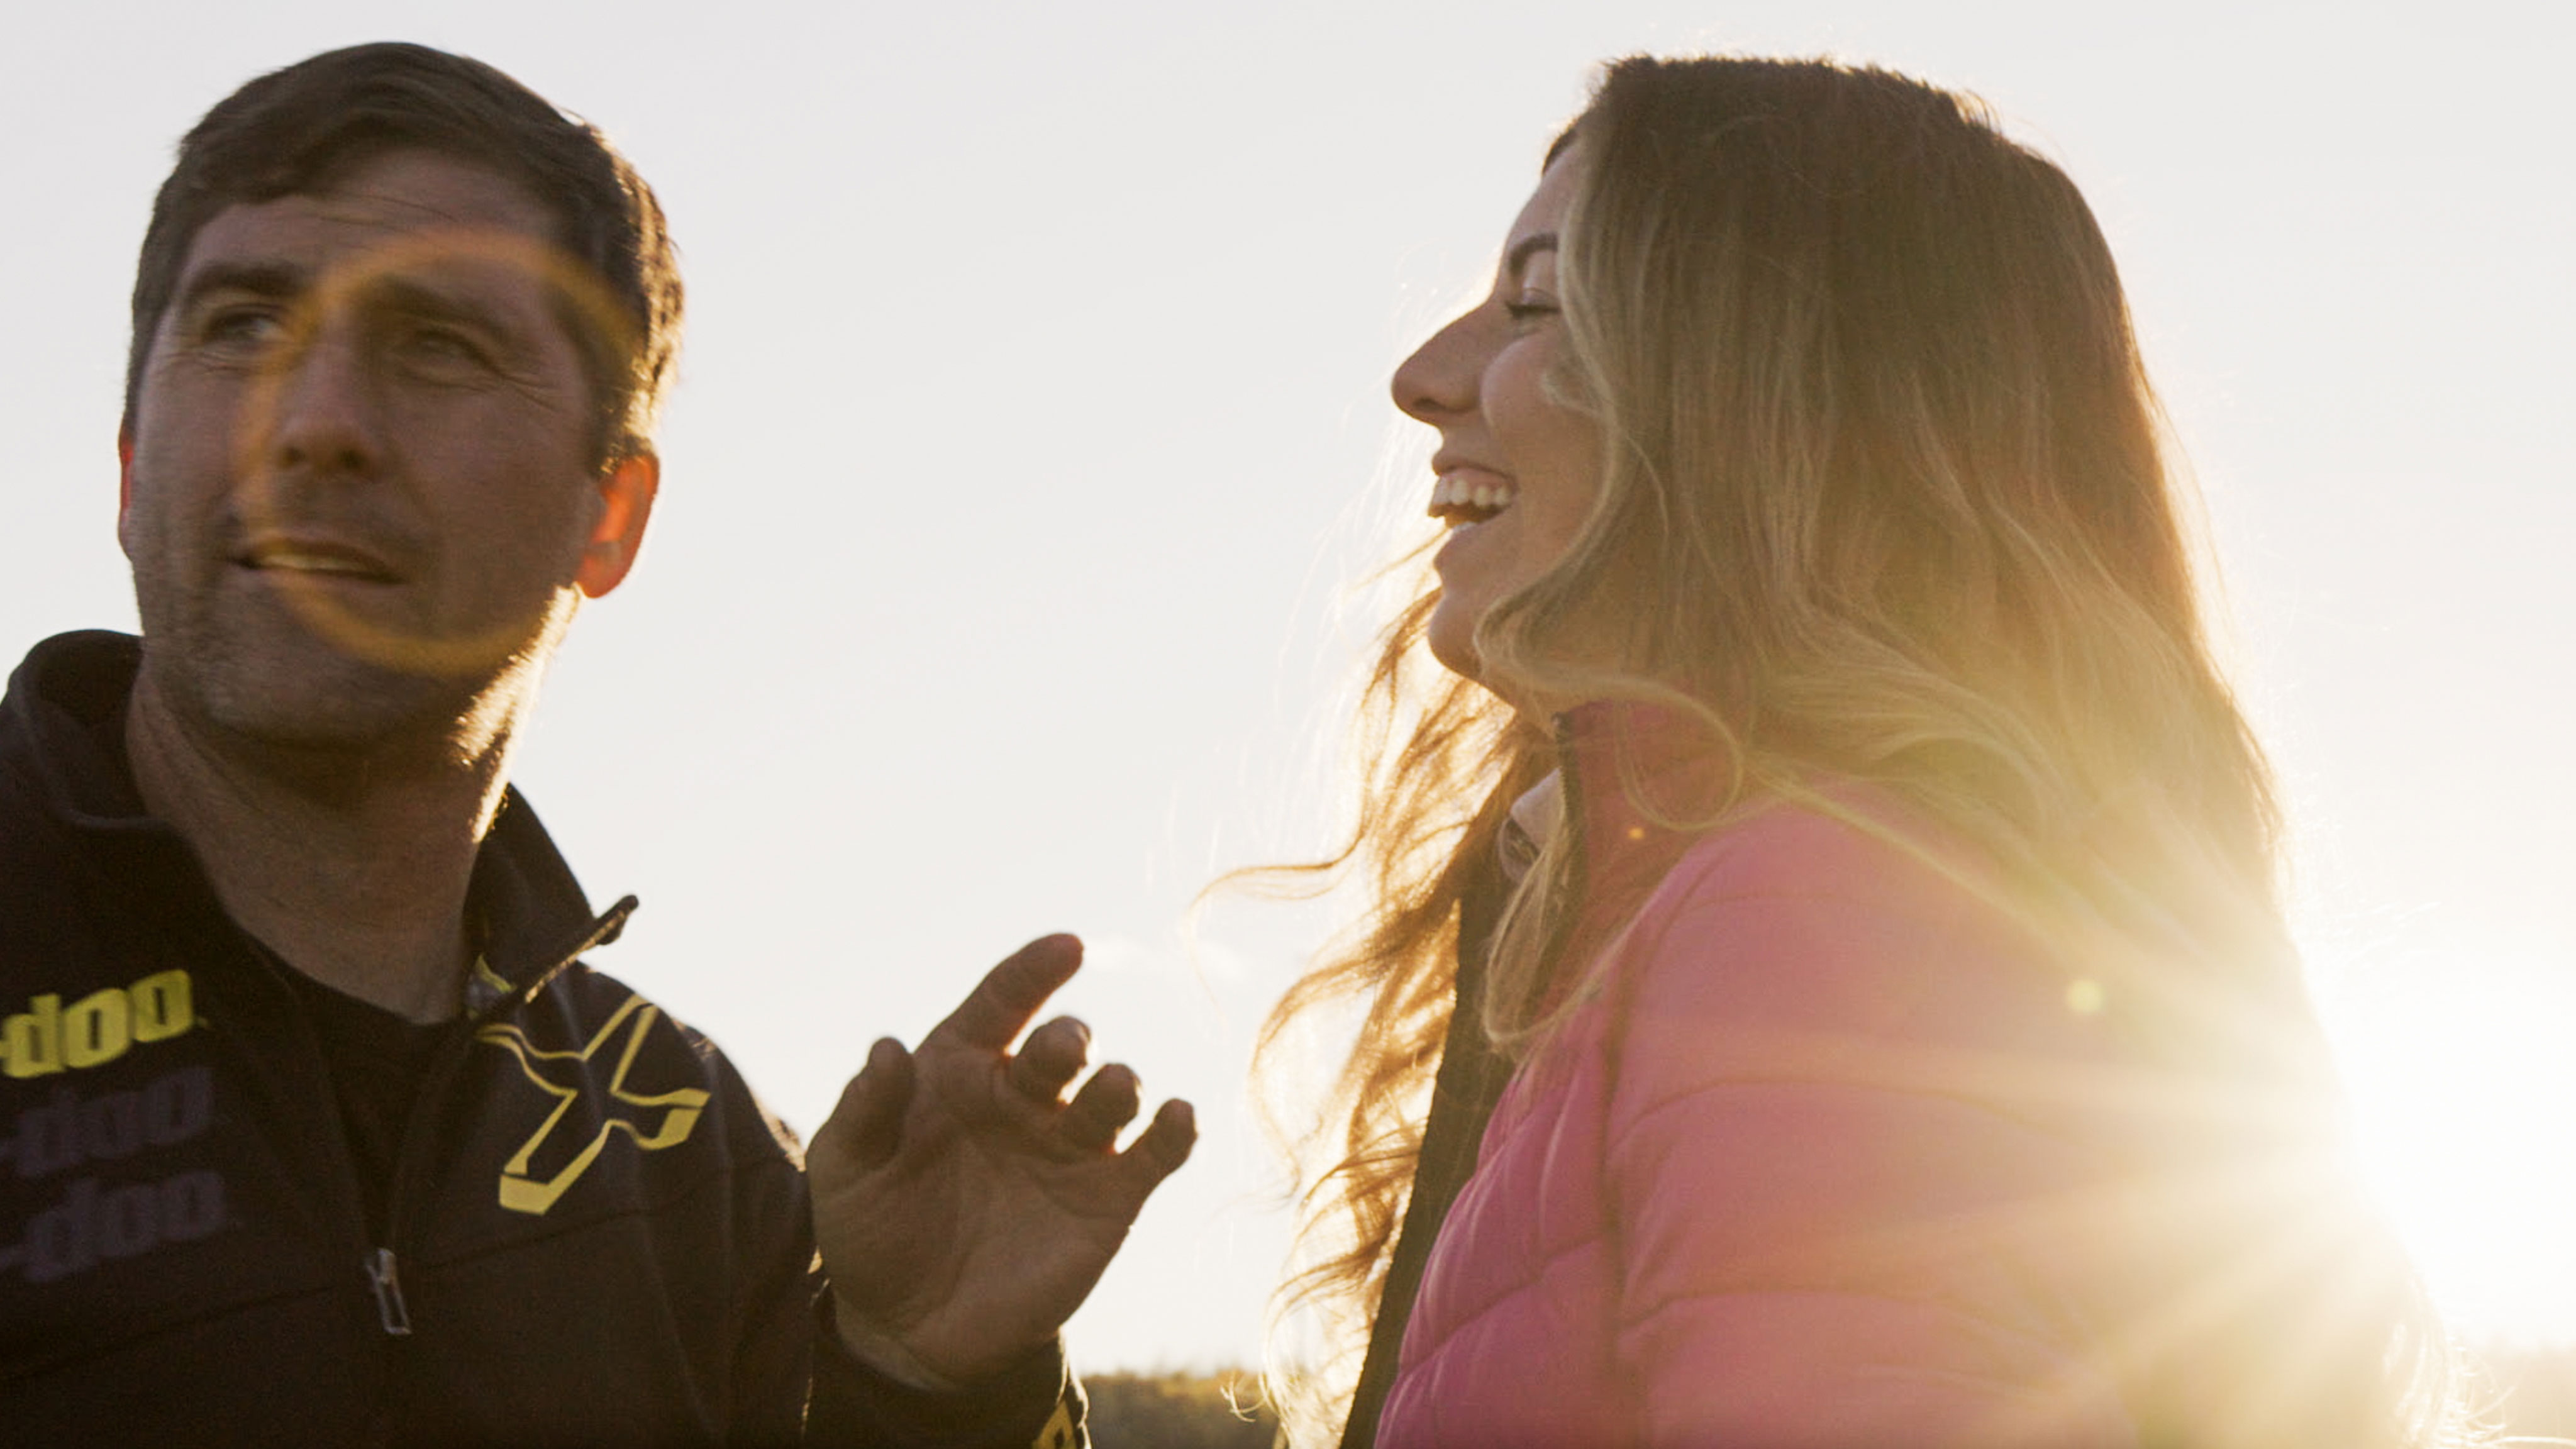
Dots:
pixel 523 1193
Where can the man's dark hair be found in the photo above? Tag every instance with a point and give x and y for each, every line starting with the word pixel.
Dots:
pixel 299 130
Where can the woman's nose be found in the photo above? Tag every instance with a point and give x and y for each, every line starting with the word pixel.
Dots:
pixel 1438 381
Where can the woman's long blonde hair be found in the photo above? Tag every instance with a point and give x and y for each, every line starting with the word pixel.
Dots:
pixel 1884 499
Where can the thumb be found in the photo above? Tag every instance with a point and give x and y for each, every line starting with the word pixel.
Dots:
pixel 868 1122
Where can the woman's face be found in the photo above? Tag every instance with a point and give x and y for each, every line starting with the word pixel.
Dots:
pixel 1516 470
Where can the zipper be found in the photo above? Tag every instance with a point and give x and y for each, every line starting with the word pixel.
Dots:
pixel 377 1263
pixel 412 1155
pixel 446 1063
pixel 383 1277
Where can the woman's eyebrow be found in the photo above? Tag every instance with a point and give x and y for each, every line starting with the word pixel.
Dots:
pixel 1527 247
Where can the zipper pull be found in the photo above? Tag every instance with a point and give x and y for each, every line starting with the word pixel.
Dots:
pixel 389 1299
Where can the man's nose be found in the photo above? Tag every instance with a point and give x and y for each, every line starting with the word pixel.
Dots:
pixel 325 412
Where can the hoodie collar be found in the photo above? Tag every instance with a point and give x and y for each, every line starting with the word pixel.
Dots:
pixel 62 731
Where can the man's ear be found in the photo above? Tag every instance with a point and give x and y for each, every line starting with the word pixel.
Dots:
pixel 626 494
pixel 124 480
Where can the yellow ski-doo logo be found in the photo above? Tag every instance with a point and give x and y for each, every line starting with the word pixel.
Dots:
pixel 653 1120
pixel 50 1037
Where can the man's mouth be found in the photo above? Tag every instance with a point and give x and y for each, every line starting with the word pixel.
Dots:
pixel 1462 498
pixel 315 558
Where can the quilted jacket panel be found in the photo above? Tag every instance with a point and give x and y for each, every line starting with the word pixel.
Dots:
pixel 1820 1162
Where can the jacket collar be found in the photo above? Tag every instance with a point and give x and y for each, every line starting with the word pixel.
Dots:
pixel 1625 768
pixel 62 729
pixel 62 734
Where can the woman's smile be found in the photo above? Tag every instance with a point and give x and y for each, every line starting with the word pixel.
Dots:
pixel 1465 498
pixel 1518 469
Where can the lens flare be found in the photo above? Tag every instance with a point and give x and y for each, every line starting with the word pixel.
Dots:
pixel 2462 1098
pixel 600 329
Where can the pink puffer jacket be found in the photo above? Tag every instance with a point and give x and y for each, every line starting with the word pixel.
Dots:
pixel 1818 1162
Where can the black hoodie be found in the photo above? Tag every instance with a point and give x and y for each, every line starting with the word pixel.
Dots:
pixel 592 1232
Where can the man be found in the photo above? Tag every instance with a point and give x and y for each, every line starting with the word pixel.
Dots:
pixel 312 1126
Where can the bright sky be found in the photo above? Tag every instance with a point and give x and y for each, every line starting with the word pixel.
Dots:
pixel 1032 421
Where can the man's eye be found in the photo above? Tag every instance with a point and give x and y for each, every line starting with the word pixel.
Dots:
pixel 444 349
pixel 242 330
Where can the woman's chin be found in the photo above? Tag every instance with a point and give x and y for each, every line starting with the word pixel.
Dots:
pixel 1451 634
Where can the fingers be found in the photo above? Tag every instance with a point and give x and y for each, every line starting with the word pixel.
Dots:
pixel 1101 1110
pixel 1053 1055
pixel 1001 1005
pixel 868 1123
pixel 1163 1146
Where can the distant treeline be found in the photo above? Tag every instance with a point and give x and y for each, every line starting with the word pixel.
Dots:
pixel 1179 1411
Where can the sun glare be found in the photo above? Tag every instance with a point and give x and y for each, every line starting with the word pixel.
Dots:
pixel 2463 1088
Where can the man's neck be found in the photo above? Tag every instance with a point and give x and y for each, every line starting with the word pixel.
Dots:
pixel 351 866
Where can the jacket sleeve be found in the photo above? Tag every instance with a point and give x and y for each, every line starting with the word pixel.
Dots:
pixel 794 1383
pixel 1035 1403
pixel 1852 1206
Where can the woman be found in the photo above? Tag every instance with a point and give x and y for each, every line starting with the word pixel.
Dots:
pixel 1834 885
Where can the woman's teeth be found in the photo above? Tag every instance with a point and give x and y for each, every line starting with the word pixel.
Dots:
pixel 1458 500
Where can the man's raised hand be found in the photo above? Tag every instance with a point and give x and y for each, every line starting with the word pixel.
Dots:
pixel 963 1207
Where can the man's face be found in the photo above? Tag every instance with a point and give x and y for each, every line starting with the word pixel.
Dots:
pixel 361 484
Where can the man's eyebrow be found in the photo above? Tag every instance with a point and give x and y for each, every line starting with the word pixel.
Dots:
pixel 285 282
pixel 259 279
pixel 423 299
pixel 1526 248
